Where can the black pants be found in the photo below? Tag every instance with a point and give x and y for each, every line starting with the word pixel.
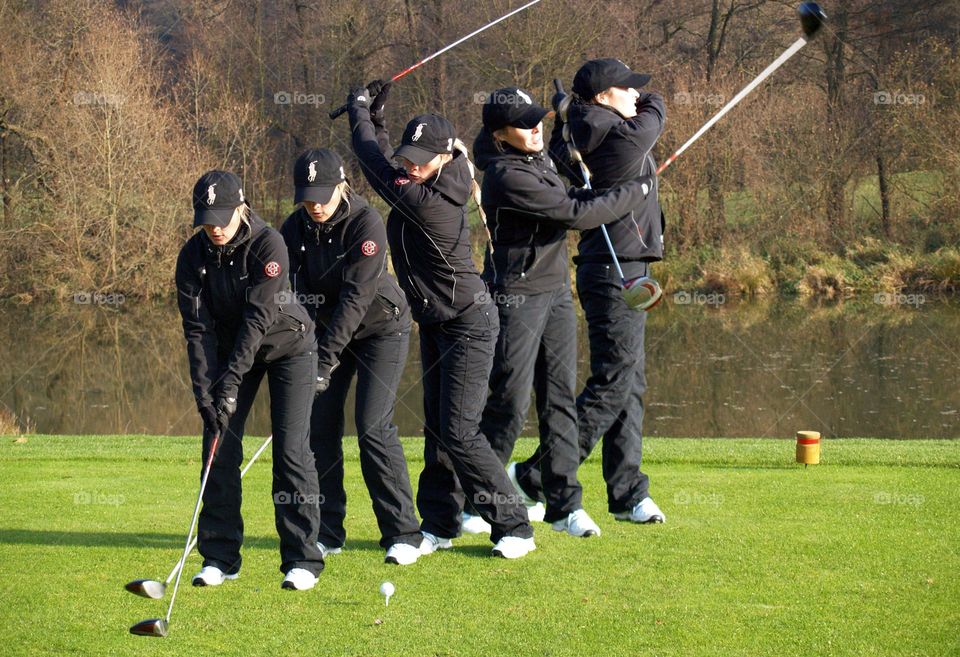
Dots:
pixel 378 363
pixel 537 350
pixel 295 493
pixel 611 404
pixel 457 356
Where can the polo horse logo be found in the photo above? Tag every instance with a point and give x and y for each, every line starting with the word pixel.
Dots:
pixel 418 132
pixel 312 171
pixel 211 194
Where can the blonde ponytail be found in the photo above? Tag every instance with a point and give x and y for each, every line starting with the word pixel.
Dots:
pixel 474 188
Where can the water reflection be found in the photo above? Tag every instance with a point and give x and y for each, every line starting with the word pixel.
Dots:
pixel 739 370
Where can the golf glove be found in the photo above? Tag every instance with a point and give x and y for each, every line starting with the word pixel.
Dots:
pixel 226 407
pixel 211 424
pixel 380 91
pixel 359 97
pixel 323 383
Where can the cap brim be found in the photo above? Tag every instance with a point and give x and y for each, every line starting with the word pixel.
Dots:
pixel 530 119
pixel 314 194
pixel 415 154
pixel 213 217
pixel 634 80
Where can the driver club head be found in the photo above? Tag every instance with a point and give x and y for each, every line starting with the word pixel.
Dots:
pixel 147 588
pixel 152 627
pixel 811 18
pixel 642 293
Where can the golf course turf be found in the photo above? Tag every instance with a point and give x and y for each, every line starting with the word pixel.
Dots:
pixel 759 556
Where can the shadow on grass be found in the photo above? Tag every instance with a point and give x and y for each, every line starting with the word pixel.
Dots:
pixel 147 540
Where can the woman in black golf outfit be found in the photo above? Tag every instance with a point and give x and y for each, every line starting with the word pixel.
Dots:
pixel 529 211
pixel 338 250
pixel 231 278
pixel 429 238
pixel 615 126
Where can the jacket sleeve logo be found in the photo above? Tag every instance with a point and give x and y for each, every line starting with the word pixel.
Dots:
pixel 401 181
pixel 272 269
pixel 368 248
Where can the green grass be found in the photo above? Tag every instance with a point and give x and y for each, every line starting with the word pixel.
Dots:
pixel 856 556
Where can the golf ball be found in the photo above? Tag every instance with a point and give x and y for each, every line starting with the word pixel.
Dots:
pixel 387 589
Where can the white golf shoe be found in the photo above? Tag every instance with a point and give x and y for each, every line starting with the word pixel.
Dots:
pixel 298 579
pixel 578 523
pixel 212 576
pixel 646 511
pixel 535 509
pixel 472 524
pixel 431 543
pixel 513 547
pixel 327 551
pixel 536 512
pixel 402 554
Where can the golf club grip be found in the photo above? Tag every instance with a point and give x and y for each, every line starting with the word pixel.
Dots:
pixel 558 85
pixel 337 112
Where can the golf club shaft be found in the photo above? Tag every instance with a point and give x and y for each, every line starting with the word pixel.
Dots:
pixel 787 54
pixel 585 173
pixel 343 108
pixel 196 512
pixel 193 543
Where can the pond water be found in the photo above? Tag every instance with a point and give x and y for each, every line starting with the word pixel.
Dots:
pixel 728 370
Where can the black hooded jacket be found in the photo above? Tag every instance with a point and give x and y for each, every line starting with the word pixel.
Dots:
pixel 338 272
pixel 616 150
pixel 529 210
pixel 428 227
pixel 230 300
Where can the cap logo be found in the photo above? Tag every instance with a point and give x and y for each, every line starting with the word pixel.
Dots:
pixel 525 97
pixel 343 176
pixel 211 195
pixel 418 132
pixel 240 192
pixel 312 171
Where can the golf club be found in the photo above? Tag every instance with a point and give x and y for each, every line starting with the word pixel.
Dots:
pixel 160 626
pixel 343 108
pixel 642 293
pixel 811 20
pixel 151 588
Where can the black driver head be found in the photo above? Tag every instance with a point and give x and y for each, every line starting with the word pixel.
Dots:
pixel 811 18
pixel 151 627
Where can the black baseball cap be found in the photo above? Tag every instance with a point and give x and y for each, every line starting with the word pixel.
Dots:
pixel 511 106
pixel 215 198
pixel 316 173
pixel 600 74
pixel 425 137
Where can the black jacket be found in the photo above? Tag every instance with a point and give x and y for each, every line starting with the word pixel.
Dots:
pixel 338 272
pixel 529 210
pixel 230 302
pixel 428 228
pixel 617 150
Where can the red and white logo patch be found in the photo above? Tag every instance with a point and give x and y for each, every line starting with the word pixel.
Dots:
pixel 401 181
pixel 272 269
pixel 368 248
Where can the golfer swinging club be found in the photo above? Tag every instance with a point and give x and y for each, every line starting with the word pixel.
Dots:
pixel 530 210
pixel 338 252
pixel 231 276
pixel 429 238
pixel 615 126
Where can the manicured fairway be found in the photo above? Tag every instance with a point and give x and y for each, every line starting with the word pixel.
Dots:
pixel 858 556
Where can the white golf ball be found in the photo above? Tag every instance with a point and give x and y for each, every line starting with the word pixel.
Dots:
pixel 387 589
